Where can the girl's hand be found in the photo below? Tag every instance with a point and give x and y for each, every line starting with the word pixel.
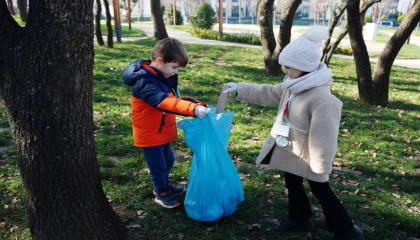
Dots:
pixel 233 87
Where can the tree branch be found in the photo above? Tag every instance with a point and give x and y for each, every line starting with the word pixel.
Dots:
pixel 334 22
pixel 331 48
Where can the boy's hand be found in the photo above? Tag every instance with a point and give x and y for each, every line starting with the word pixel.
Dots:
pixel 201 111
pixel 233 87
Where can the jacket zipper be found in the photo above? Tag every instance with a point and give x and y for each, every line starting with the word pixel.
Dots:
pixel 162 122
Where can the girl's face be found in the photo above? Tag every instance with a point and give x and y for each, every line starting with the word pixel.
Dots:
pixel 292 73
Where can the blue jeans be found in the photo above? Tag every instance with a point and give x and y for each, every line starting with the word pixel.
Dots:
pixel 160 160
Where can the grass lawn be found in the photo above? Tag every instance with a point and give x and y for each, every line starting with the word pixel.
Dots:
pixel 376 170
pixel 125 31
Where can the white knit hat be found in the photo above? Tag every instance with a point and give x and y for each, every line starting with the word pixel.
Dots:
pixel 304 53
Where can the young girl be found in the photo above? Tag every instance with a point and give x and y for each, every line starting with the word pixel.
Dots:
pixel 303 139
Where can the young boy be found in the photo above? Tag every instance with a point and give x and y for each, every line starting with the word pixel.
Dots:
pixel 155 102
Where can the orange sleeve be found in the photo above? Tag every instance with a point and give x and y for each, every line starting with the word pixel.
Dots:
pixel 177 106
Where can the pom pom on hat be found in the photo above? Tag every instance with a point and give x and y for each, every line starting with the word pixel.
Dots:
pixel 316 34
pixel 304 53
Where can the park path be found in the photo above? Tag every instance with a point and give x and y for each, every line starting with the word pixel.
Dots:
pixel 186 37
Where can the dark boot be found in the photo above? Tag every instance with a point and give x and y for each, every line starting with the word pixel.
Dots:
pixel 354 234
pixel 290 226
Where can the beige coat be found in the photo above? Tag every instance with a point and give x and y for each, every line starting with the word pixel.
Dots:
pixel 313 118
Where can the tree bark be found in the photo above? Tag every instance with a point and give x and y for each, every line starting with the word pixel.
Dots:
pixel 361 57
pixel 110 40
pixel 117 19
pixel 23 11
pixel 157 18
pixel 46 78
pixel 390 52
pixel 268 42
pixel 98 30
pixel 286 22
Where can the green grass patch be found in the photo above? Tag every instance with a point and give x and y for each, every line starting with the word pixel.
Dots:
pixel 125 31
pixel 18 20
pixel 376 171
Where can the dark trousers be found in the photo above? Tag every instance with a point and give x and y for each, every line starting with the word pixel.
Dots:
pixel 160 160
pixel 337 219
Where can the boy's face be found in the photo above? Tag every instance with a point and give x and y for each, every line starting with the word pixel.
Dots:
pixel 292 73
pixel 167 69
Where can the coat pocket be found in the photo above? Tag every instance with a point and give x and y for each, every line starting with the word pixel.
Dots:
pixel 298 140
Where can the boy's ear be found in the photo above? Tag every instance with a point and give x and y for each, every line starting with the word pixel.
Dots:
pixel 159 60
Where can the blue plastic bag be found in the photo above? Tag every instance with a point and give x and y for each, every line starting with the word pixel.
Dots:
pixel 214 187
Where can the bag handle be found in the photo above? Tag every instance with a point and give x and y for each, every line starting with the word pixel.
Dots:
pixel 221 104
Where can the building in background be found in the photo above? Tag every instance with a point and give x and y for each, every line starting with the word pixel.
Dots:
pixel 245 11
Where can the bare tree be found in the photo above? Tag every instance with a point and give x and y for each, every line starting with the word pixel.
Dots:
pixel 46 85
pixel 110 39
pixel 374 90
pixel 10 7
pixel 383 8
pixel 328 47
pixel 251 5
pixel 139 4
pixel 157 18
pixel 270 48
pixel 126 5
pixel 98 30
pixel 320 8
pixel 390 52
pixel 265 11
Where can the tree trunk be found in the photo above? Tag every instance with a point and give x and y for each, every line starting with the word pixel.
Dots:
pixel 390 52
pixel 362 16
pixel 98 30
pixel 268 42
pixel 46 72
pixel 220 16
pixel 361 57
pixel 23 9
pixel 110 42
pixel 333 46
pixel 10 7
pixel 129 14
pixel 286 22
pixel 157 18
pixel 117 19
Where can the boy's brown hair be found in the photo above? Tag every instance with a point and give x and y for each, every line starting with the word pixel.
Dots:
pixel 171 50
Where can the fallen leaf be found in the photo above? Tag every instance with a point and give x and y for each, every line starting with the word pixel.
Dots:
pixel 396 195
pixel 180 236
pixel 254 226
pixel 134 226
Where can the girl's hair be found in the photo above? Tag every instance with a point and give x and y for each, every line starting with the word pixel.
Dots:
pixel 171 50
